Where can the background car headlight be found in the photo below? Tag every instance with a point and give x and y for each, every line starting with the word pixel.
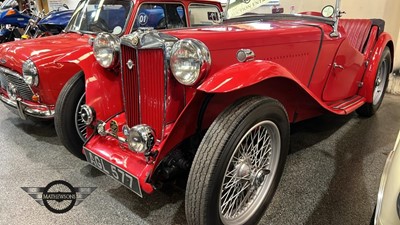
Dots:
pixel 30 73
pixel 190 61
pixel 106 48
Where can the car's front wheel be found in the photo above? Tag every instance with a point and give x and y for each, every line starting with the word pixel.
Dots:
pixel 70 128
pixel 239 163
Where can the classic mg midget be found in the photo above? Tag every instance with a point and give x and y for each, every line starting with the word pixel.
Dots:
pixel 32 73
pixel 215 102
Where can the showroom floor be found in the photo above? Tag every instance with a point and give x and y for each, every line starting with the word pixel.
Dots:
pixel 331 176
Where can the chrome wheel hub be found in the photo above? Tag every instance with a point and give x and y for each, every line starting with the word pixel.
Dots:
pixel 250 173
pixel 243 170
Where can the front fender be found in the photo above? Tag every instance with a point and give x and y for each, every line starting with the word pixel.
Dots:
pixel 103 86
pixel 247 75
pixel 242 75
pixel 369 78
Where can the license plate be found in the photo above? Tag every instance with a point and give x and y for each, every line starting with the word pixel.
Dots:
pixel 125 178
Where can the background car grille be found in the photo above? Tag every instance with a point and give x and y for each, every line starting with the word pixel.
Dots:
pixel 144 87
pixel 23 89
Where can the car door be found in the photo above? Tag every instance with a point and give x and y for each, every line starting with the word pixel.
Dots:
pixel 346 73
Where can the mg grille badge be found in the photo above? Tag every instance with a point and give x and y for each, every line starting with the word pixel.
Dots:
pixel 130 64
pixel 3 61
pixel 114 127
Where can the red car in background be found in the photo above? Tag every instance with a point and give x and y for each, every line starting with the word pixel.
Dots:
pixel 215 102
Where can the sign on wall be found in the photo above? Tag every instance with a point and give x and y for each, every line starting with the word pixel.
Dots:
pixel 56 4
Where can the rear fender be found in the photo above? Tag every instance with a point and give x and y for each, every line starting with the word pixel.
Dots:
pixel 369 78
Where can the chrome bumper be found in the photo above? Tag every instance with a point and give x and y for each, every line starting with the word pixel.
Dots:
pixel 24 109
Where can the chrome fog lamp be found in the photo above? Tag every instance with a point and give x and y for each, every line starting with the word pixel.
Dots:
pixel 140 138
pixel 87 114
pixel 190 61
pixel 105 49
pixel 30 73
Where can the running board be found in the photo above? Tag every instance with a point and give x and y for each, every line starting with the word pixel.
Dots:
pixel 348 105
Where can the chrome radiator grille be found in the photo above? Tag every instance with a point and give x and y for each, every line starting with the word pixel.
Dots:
pixel 8 76
pixel 144 87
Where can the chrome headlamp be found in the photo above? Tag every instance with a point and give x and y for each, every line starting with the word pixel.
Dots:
pixel 190 61
pixel 30 73
pixel 140 138
pixel 105 49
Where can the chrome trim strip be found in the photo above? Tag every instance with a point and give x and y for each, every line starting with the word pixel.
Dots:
pixel 166 68
pixel 122 79
pixel 138 86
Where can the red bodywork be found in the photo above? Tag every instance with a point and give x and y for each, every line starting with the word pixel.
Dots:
pixel 60 57
pixel 294 63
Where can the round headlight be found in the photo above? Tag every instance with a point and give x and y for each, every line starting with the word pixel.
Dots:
pixel 30 73
pixel 190 61
pixel 106 48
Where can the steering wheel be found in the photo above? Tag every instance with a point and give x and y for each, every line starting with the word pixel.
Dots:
pixel 99 26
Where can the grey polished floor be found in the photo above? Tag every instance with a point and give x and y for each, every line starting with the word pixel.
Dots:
pixel 331 176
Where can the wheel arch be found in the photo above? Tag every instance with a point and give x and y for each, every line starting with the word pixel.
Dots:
pixel 384 40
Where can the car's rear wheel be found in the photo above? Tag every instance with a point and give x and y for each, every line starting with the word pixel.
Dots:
pixel 239 163
pixel 70 128
pixel 380 85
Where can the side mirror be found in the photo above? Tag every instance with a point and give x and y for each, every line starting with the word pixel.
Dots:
pixel 65 6
pixel 328 11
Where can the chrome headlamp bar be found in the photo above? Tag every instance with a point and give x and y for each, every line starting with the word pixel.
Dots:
pixel 148 38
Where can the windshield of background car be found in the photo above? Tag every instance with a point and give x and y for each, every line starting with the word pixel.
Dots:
pixel 94 16
pixel 161 16
pixel 238 8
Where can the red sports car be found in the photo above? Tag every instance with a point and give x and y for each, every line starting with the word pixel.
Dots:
pixel 215 102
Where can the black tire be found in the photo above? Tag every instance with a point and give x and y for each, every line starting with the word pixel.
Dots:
pixel 214 155
pixel 369 109
pixel 64 118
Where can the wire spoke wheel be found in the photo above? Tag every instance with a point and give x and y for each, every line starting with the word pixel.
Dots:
pixel 380 81
pixel 250 172
pixel 79 124
pixel 239 163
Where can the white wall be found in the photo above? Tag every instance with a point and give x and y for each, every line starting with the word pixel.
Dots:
pixel 55 4
pixel 389 10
